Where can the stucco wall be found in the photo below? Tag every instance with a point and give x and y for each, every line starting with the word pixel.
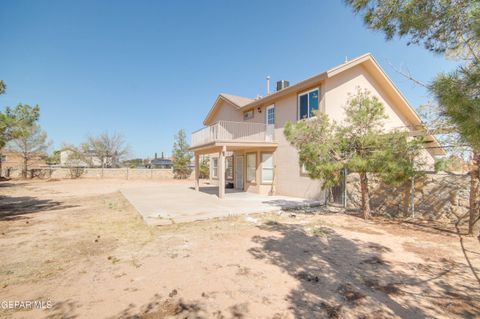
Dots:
pixel 338 87
pixel 227 112
pixel 288 179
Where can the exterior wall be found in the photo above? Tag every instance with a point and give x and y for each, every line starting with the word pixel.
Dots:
pixel 288 179
pixel 227 112
pixel 340 86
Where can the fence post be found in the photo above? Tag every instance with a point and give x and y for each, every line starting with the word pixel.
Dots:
pixel 151 173
pixel 127 173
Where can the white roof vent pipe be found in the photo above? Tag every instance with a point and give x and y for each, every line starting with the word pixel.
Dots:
pixel 268 84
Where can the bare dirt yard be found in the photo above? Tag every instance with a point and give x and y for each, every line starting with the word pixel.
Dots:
pixel 80 245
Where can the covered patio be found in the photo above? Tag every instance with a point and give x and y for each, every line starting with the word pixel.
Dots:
pixel 246 145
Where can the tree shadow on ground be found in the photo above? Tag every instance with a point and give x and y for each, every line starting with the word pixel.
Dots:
pixel 159 308
pixel 6 183
pixel 13 207
pixel 175 307
pixel 337 274
pixel 62 310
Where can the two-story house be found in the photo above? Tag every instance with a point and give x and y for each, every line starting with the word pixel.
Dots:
pixel 245 139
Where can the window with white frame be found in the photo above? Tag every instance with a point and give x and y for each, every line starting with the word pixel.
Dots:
pixel 267 167
pixel 215 167
pixel 303 169
pixel 308 104
pixel 271 114
pixel 251 167
pixel 247 115
pixel 229 168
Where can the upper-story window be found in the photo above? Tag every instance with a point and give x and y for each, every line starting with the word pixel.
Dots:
pixel 270 114
pixel 247 115
pixel 308 104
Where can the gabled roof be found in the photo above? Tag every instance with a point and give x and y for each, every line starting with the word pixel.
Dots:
pixel 236 101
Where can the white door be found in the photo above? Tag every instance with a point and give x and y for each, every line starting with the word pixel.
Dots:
pixel 239 172
pixel 270 121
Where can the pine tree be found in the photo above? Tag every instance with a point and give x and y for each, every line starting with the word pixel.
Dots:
pixel 181 156
pixel 359 145
pixel 31 143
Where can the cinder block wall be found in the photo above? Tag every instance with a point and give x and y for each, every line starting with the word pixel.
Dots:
pixel 441 196
pixel 112 173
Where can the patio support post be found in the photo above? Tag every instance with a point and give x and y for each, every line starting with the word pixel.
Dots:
pixel 197 172
pixel 221 173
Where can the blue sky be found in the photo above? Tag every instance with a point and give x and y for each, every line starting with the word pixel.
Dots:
pixel 146 69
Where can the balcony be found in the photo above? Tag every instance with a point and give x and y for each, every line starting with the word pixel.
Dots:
pixel 233 132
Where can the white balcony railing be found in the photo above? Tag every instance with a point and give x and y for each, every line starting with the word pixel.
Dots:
pixel 233 131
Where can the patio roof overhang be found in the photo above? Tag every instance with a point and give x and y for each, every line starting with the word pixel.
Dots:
pixel 217 146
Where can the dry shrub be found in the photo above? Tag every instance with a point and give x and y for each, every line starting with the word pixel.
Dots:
pixel 389 289
pixel 350 293
pixel 333 311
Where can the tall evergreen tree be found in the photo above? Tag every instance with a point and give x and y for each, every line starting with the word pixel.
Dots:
pixel 16 122
pixel 359 145
pixel 181 156
pixel 31 143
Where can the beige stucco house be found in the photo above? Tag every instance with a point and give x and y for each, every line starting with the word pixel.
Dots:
pixel 244 137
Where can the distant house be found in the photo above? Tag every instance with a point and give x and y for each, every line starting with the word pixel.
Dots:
pixel 13 161
pixel 88 159
pixel 162 162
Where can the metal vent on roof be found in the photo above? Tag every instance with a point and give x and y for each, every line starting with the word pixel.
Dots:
pixel 283 84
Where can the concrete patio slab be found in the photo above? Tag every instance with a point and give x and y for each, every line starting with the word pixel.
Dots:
pixel 168 204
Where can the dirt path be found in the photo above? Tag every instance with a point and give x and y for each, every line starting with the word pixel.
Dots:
pixel 81 245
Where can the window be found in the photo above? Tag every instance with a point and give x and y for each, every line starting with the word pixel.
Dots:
pixel 267 168
pixel 215 167
pixel 229 167
pixel 303 170
pixel 248 115
pixel 308 104
pixel 271 115
pixel 251 167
